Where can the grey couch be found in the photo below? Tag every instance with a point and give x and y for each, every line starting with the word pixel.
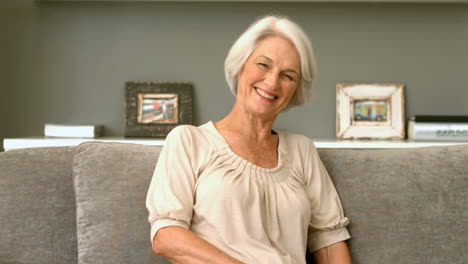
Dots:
pixel 86 204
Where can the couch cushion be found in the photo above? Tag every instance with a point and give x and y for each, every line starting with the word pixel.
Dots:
pixel 111 182
pixel 405 205
pixel 37 206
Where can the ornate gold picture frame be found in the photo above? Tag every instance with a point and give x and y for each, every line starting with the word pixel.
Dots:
pixel 153 109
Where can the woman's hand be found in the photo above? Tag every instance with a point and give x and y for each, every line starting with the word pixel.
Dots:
pixel 181 246
pixel 337 253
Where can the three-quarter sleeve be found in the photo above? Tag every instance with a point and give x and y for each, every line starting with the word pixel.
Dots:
pixel 170 196
pixel 328 223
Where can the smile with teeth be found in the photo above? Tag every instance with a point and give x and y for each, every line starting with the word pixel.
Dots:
pixel 264 94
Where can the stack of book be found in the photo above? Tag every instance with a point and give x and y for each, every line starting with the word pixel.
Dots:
pixel 438 128
pixel 72 131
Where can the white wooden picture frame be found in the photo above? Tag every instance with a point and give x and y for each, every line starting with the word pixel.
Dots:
pixel 372 111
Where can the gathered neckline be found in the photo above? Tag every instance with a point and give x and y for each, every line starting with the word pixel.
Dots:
pixel 224 149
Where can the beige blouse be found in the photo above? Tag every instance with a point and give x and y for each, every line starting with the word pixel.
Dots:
pixel 253 214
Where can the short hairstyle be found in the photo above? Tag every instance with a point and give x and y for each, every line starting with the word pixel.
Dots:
pixel 273 26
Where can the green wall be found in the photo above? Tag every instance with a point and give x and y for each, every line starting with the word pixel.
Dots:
pixel 68 62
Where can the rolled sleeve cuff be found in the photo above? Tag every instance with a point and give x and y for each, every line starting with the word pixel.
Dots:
pixel 161 223
pixel 326 238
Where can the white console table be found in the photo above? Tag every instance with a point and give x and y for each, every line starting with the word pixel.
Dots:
pixel 34 142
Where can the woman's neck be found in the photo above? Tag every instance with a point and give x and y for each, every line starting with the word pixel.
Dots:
pixel 247 125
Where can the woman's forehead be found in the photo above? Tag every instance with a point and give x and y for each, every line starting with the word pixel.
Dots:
pixel 277 49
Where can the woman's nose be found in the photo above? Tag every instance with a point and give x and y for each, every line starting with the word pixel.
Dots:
pixel 272 80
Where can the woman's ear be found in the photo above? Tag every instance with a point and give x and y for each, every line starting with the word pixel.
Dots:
pixel 237 82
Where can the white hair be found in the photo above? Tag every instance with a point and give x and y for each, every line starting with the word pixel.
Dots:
pixel 271 26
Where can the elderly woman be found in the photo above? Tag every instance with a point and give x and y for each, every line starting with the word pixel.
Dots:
pixel 238 191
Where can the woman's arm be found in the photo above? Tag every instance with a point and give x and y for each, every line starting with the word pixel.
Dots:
pixel 334 254
pixel 180 246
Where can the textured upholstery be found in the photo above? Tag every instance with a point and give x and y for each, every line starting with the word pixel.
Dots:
pixel 111 182
pixel 37 207
pixel 405 205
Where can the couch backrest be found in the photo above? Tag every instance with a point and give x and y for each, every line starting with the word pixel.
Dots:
pixel 37 206
pixel 405 205
pixel 111 181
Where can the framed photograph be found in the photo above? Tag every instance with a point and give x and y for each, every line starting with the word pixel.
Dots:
pixel 154 109
pixel 373 111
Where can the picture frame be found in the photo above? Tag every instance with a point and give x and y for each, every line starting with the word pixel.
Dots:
pixel 370 111
pixel 153 109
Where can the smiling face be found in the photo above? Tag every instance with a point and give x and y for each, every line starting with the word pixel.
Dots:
pixel 269 77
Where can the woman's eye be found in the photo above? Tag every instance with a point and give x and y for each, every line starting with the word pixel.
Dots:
pixel 289 77
pixel 262 65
